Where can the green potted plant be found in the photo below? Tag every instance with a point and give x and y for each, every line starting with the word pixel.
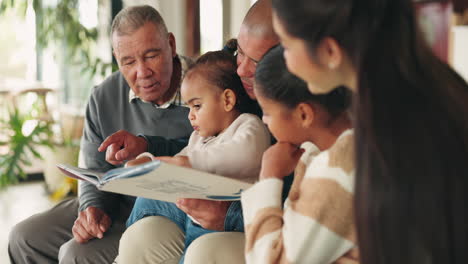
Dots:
pixel 33 134
pixel 57 24
pixel 21 138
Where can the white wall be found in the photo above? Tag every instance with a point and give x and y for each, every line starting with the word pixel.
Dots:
pixel 173 13
pixel 460 51
pixel 238 10
pixel 104 48
pixel 234 13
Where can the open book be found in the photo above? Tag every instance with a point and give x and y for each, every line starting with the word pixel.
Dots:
pixel 161 181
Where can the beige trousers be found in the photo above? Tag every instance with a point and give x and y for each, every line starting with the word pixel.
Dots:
pixel 156 239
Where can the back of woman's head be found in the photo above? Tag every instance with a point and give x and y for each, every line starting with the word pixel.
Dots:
pixel 219 68
pixel 411 128
pixel 275 82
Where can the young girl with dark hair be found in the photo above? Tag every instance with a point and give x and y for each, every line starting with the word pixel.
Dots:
pixel 227 140
pixel 411 121
pixel 317 224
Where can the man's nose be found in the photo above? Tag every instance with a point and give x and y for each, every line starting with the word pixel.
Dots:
pixel 246 68
pixel 143 70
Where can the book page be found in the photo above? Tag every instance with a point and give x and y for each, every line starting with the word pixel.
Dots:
pixel 128 172
pixel 81 174
pixel 170 182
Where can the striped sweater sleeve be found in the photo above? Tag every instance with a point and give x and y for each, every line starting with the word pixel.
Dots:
pixel 317 224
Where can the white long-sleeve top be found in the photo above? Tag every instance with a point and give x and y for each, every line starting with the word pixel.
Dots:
pixel 235 153
pixel 317 223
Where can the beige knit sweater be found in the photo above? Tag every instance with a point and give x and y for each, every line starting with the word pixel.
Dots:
pixel 317 223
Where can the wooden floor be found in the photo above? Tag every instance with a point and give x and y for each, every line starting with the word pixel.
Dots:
pixel 17 203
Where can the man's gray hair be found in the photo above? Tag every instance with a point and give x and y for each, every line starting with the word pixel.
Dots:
pixel 131 18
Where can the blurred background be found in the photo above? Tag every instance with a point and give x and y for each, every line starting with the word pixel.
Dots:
pixel 53 52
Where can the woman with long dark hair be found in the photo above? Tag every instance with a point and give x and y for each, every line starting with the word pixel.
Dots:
pixel 410 119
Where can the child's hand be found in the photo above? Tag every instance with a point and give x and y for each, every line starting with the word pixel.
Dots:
pixel 137 161
pixel 280 160
pixel 177 160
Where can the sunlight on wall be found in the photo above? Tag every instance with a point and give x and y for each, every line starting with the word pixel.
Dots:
pixel 211 25
pixel 460 52
pixel 88 10
pixel 17 46
pixel 173 14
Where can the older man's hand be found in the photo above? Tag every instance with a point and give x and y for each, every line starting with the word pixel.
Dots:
pixel 210 214
pixel 91 223
pixel 122 146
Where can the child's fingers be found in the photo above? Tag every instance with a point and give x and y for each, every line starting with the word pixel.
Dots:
pixel 163 158
pixel 170 160
pixel 137 161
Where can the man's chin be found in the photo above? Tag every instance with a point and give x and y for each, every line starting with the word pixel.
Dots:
pixel 249 90
pixel 251 94
pixel 152 98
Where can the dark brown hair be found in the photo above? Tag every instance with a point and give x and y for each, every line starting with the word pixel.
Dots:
pixel 411 129
pixel 220 69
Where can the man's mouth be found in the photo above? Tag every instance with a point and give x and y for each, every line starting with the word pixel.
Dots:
pixel 196 128
pixel 149 87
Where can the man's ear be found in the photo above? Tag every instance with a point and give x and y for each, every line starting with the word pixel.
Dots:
pixel 229 100
pixel 172 44
pixel 330 53
pixel 306 114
